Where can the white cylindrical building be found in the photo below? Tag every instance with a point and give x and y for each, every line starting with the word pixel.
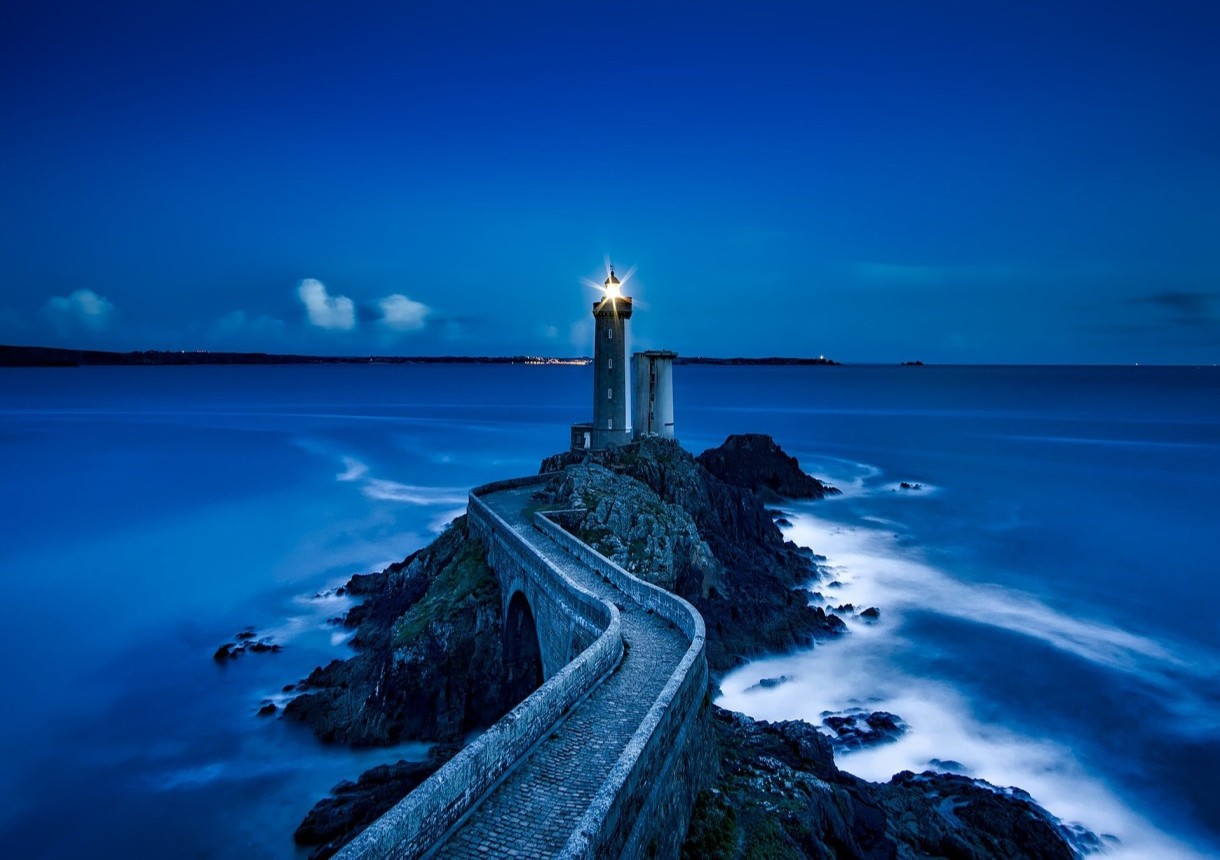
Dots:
pixel 652 408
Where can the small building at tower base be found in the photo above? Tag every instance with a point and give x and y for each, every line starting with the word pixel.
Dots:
pixel 652 400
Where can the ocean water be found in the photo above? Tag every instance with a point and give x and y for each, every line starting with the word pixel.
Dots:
pixel 1047 597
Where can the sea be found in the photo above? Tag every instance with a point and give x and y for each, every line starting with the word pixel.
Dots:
pixel 1047 580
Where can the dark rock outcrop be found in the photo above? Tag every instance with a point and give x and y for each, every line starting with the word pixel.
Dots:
pixel 429 663
pixel 855 729
pixel 334 821
pixel 659 513
pixel 755 462
pixel 769 683
pixel 780 795
pixel 246 640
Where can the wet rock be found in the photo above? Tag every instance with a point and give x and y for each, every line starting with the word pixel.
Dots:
pixel 855 729
pixel 267 709
pixel 352 806
pixel 246 641
pixel 947 764
pixel 779 794
pixel 769 683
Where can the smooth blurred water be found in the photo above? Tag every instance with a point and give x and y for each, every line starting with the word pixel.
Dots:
pixel 150 513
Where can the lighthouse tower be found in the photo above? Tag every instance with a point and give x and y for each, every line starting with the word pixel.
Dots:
pixel 610 316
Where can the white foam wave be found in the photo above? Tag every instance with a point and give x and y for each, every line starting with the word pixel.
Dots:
pixel 863 670
pixel 850 477
pixel 353 469
pixel 855 479
pixel 381 489
pixel 315 612
pixel 392 491
pixel 873 572
pixel 942 728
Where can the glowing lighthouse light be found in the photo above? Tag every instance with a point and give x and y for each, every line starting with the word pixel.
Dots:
pixel 613 286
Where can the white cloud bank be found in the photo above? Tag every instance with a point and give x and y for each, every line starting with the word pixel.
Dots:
pixel 324 310
pixel 402 314
pixel 83 309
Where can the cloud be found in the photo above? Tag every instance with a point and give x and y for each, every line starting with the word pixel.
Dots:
pixel 82 309
pixel 548 331
pixel 402 314
pixel 325 310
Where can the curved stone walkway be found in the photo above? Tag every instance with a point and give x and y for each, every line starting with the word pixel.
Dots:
pixel 534 811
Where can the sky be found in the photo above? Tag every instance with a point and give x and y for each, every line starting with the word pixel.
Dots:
pixel 959 182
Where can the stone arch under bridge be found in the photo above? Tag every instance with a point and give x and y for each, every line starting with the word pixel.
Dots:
pixel 522 653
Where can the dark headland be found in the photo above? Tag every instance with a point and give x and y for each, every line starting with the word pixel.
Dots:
pixel 45 356
pixel 428 666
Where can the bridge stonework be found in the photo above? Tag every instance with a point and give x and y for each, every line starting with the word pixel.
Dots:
pixel 605 758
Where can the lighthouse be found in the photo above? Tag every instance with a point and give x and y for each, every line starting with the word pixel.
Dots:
pixel 653 408
pixel 610 315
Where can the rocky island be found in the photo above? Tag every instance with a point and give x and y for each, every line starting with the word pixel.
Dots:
pixel 429 665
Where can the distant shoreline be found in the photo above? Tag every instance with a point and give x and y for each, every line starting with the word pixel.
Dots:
pixel 44 356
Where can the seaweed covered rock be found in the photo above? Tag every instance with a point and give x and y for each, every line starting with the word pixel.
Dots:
pixel 429 664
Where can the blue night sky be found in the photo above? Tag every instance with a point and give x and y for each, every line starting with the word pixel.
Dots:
pixel 954 182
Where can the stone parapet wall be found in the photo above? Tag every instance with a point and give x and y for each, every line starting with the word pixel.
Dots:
pixel 417 822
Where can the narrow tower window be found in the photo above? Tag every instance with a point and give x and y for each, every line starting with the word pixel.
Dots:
pixel 610 363
pixel 609 423
pixel 609 393
pixel 610 333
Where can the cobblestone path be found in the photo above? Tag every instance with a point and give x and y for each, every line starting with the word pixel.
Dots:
pixel 536 808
